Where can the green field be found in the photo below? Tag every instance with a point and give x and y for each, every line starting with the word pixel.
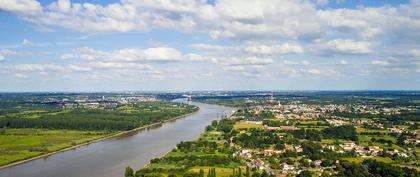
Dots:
pixel 368 137
pixel 312 122
pixel 360 130
pixel 19 144
pixel 220 171
pixel 360 159
pixel 246 125
pixel 29 128
pixel 415 101
pixel 212 136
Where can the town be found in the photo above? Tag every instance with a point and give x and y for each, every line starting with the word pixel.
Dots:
pixel 306 136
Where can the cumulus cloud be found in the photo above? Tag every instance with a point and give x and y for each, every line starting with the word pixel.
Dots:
pixel 20 76
pixel 233 68
pixel 260 34
pixel 380 62
pixel 389 21
pixel 241 61
pixel 252 48
pixel 311 71
pixel 27 43
pixel 291 63
pixel 133 54
pixel 38 67
pixel 22 7
pixel 273 49
pixel 415 53
pixel 119 65
pixel 5 53
pixel 344 62
pixel 81 68
pixel 288 19
pixel 342 46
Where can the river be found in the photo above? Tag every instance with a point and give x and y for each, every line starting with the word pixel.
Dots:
pixel 108 158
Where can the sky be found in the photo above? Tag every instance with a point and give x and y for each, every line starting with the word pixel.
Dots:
pixel 176 45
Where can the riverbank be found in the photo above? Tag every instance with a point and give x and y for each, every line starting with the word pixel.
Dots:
pixel 202 134
pixel 116 134
pixel 210 151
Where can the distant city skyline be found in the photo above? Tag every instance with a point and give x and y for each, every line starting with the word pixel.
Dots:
pixel 179 45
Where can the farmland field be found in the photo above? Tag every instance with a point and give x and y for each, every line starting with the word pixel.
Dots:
pixel 246 125
pixel 18 144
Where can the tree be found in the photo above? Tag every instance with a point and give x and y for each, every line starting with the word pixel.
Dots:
pixel 129 172
pixel 191 174
pixel 305 173
pixel 214 123
pixel 351 169
pixel 327 163
pixel 341 132
pixel 382 169
pixel 247 174
pixel 201 173
pixel 264 174
pixel 212 172
pixel 280 146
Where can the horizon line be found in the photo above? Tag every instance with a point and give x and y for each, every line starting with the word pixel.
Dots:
pixel 227 90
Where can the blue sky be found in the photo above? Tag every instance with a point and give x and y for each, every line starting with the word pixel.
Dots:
pixel 209 45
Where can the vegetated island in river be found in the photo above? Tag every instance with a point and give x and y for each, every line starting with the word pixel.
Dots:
pixel 33 127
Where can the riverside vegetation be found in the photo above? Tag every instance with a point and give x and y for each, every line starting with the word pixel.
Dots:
pixel 304 134
pixel 32 125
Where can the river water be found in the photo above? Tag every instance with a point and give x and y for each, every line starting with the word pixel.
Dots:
pixel 108 158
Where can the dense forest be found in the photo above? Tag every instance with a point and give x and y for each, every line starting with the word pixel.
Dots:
pixel 38 112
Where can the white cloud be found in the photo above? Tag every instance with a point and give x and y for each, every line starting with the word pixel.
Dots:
pixel 344 62
pixel 380 62
pixel 342 46
pixel 27 43
pixel 22 7
pixel 68 56
pixel 233 68
pixel 38 67
pixel 265 19
pixel 305 62
pixel 288 19
pixel 292 63
pixel 252 48
pixel 208 46
pixel 162 53
pixel 415 53
pixel 118 65
pixel 240 61
pixel 133 54
pixel 263 33
pixel 273 49
pixel 5 53
pixel 20 76
pixel 79 68
pixel 322 2
pixel 311 71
